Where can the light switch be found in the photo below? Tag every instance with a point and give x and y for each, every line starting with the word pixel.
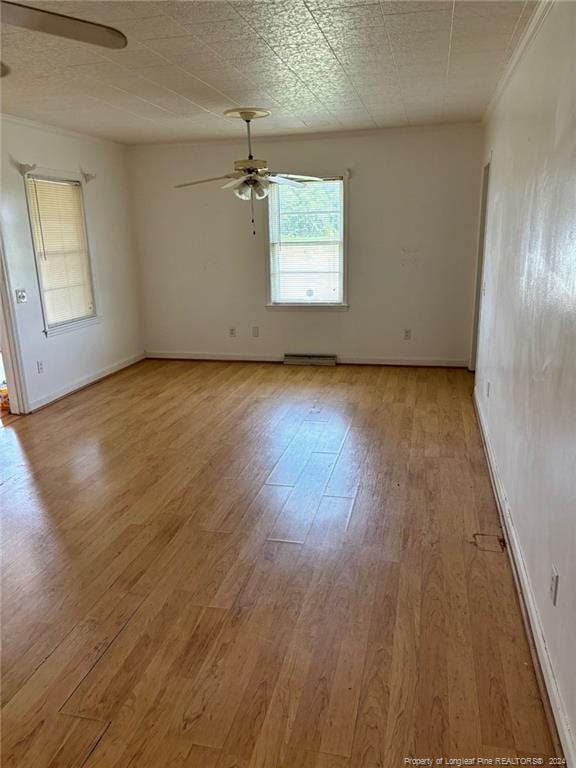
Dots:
pixel 21 297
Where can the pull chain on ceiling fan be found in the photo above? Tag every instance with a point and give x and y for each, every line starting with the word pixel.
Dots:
pixel 251 178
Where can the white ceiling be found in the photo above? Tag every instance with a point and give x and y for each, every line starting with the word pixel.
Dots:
pixel 318 65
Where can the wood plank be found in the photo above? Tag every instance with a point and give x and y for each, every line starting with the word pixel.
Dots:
pixel 345 478
pixel 296 456
pixel 495 716
pixel 331 521
pixel 295 519
pixel 151 618
pixel 167 631
pixel 32 726
pixel 226 674
pixel 297 758
pixel 82 738
pixel 369 746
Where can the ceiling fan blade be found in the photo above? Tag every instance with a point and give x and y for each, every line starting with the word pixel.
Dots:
pixel 236 182
pixel 284 181
pixel 202 181
pixel 39 20
pixel 297 177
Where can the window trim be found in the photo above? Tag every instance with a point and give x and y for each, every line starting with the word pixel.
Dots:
pixel 343 306
pixel 80 322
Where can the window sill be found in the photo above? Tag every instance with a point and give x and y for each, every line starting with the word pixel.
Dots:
pixel 57 330
pixel 312 307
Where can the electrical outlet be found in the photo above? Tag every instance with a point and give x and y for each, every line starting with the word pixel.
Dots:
pixel 407 334
pixel 487 389
pixel 554 580
pixel 21 297
pixel 232 333
pixel 255 331
pixel 40 366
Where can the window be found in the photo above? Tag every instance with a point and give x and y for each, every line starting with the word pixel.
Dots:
pixel 307 243
pixel 61 248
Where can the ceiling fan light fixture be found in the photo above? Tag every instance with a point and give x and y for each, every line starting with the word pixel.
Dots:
pixel 261 188
pixel 244 191
pixel 252 178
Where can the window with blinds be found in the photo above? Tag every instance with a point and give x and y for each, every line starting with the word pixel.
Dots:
pixel 307 243
pixel 61 247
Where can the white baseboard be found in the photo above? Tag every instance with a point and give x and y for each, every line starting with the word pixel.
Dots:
pixel 425 362
pixel 85 380
pixel 532 615
pixel 419 361
pixel 177 355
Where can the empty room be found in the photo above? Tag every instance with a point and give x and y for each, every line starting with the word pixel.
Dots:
pixel 288 383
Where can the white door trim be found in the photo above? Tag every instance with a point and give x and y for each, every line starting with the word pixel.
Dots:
pixel 12 354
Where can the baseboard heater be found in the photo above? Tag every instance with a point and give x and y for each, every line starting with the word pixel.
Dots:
pixel 309 359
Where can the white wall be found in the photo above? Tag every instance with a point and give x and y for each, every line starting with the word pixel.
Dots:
pixel 528 335
pixel 83 354
pixel 413 209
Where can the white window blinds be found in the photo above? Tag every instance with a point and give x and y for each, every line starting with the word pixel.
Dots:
pixel 307 243
pixel 61 246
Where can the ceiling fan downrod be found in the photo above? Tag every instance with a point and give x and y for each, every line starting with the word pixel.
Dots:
pixel 250 155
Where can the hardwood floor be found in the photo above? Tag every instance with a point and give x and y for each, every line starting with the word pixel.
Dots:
pixel 228 565
pixel 7 418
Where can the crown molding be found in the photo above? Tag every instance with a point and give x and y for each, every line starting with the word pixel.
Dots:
pixel 267 139
pixel 530 32
pixel 56 129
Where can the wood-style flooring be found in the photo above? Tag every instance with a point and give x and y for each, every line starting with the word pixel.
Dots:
pixel 7 418
pixel 229 565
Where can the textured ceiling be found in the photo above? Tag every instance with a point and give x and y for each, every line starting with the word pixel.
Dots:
pixel 318 65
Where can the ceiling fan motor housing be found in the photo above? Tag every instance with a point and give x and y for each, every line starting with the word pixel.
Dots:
pixel 250 164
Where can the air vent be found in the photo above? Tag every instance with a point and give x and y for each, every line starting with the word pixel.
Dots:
pixel 309 359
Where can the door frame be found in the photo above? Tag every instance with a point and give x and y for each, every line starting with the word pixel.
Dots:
pixel 11 350
pixel 480 287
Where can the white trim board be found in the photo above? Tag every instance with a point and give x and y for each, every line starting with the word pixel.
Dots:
pixel 420 362
pixel 216 356
pixel 533 26
pixel 85 380
pixel 320 135
pixel 56 129
pixel 531 613
pixel 14 359
pixel 344 359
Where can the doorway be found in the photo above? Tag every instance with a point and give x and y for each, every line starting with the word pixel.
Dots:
pixel 480 287
pixel 12 393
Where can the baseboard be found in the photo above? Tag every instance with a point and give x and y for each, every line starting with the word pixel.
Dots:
pixel 177 355
pixel 424 362
pixel 545 671
pixel 345 360
pixel 85 381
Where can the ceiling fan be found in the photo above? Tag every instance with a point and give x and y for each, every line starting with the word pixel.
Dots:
pixel 252 177
pixel 40 20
